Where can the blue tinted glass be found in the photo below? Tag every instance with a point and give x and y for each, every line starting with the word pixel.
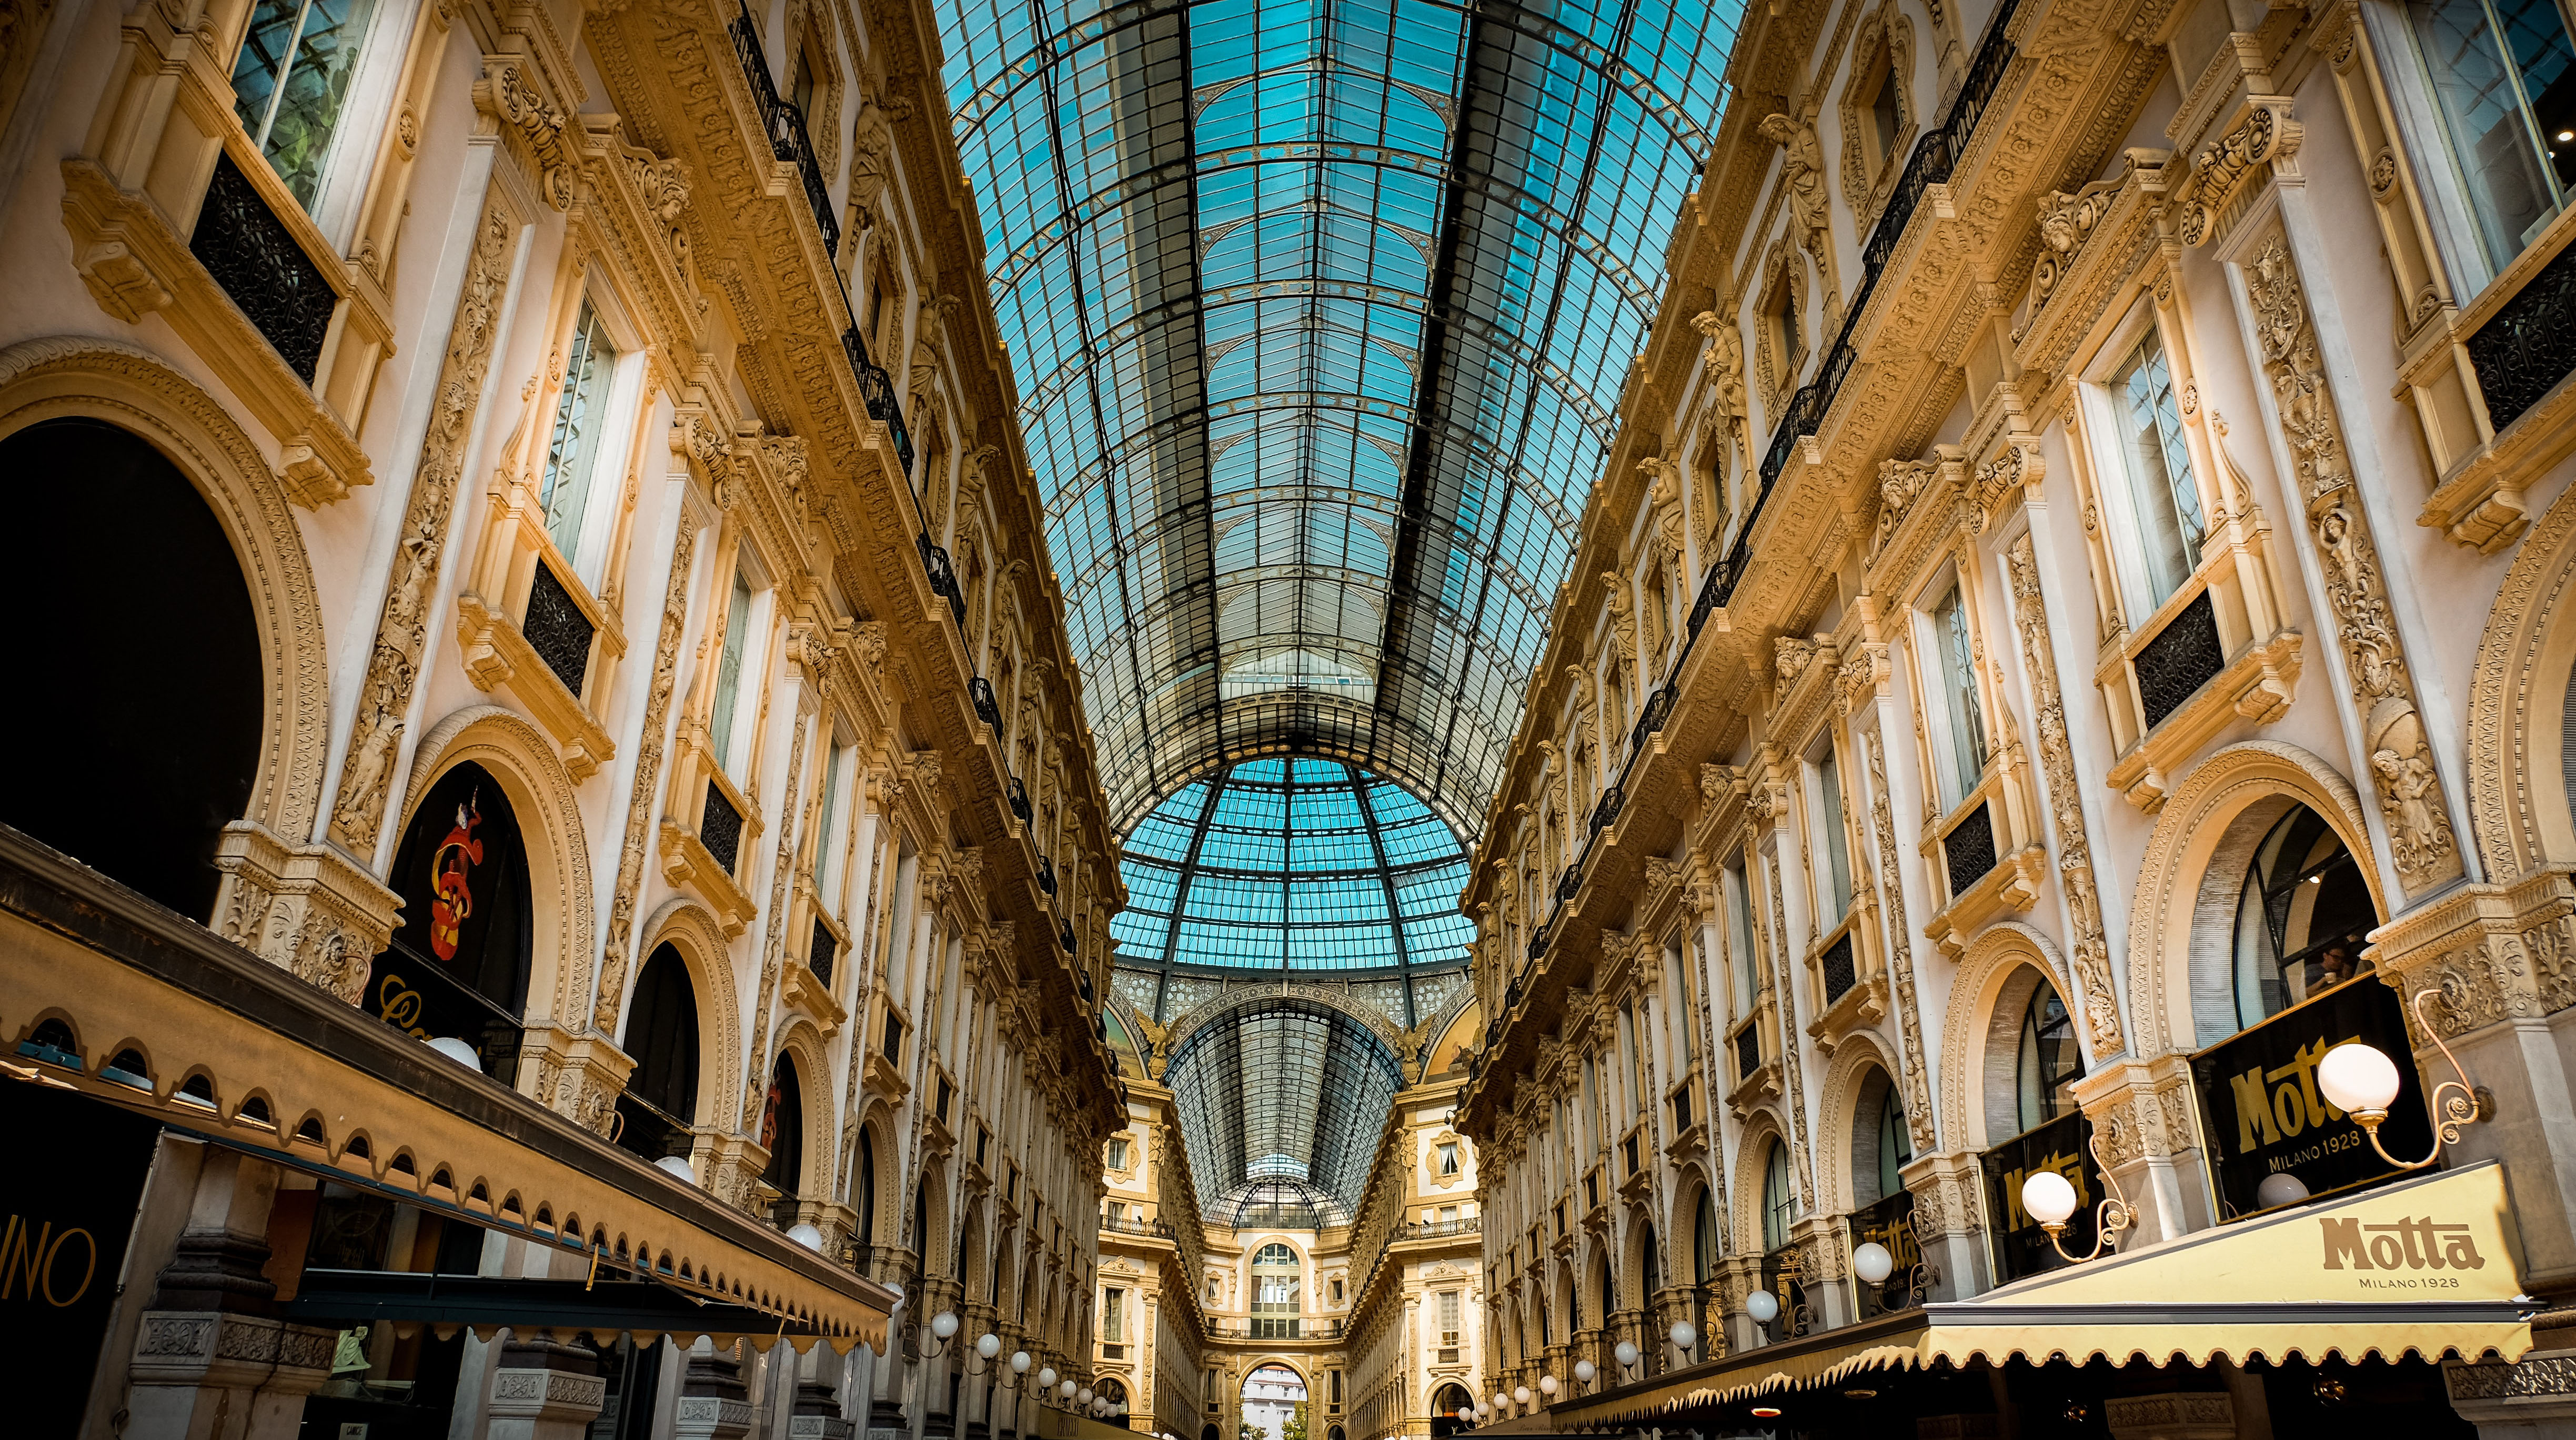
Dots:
pixel 1283 498
pixel 1304 864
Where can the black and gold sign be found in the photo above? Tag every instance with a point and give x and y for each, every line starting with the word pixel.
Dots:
pixel 65 1214
pixel 2065 1146
pixel 2262 1114
pixel 1889 1223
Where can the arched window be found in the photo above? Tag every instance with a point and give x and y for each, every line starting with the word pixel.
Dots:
pixel 1779 1197
pixel 2302 918
pixel 1895 1146
pixel 660 1102
pixel 867 1187
pixel 2045 1072
pixel 782 1134
pixel 121 581
pixel 1704 1242
pixel 1275 1299
pixel 1608 1287
pixel 459 964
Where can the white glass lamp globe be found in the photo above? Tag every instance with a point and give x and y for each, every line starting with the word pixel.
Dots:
pixel 1046 1378
pixel 2048 1197
pixel 1547 1384
pixel 458 1051
pixel 1584 1370
pixel 1019 1362
pixel 1066 1389
pixel 2280 1188
pixel 944 1324
pixel 1685 1335
pixel 1520 1394
pixel 1483 1410
pixel 1625 1354
pixel 989 1346
pixel 1762 1307
pixel 2358 1077
pixel 679 1167
pixel 1872 1263
pixel 1466 1415
pixel 805 1235
pixel 1083 1394
pixel 1502 1401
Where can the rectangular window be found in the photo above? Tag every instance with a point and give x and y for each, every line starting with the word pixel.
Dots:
pixel 1836 879
pixel 1633 1036
pixel 1448 1157
pixel 1117 1212
pixel 1448 1215
pixel 2503 77
pixel 1449 1317
pixel 579 414
pixel 720 725
pixel 1118 1153
pixel 827 836
pixel 291 80
pixel 1739 939
pixel 1954 658
pixel 1113 1316
pixel 2164 505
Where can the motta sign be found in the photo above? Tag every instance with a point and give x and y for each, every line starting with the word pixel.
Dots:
pixel 2442 1237
pixel 2262 1114
pixel 2064 1145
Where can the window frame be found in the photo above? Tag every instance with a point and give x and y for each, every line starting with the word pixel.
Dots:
pixel 2423 128
pixel 358 133
pixel 1956 708
pixel 612 442
pixel 1831 830
pixel 2123 526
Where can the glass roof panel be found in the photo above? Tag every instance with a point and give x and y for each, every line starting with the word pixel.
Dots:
pixel 1319 311
pixel 1293 864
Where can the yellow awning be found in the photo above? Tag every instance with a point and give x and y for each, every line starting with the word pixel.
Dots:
pixel 2429 1267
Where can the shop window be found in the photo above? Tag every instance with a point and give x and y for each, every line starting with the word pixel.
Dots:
pixel 291 81
pixel 130 563
pixel 660 1102
pixel 2165 529
pixel 2047 1065
pixel 2503 78
pixel 2302 918
pixel 459 965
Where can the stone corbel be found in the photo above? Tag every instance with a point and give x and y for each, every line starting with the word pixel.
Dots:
pixel 2226 167
pixel 308 909
pixel 576 1076
pixel 511 95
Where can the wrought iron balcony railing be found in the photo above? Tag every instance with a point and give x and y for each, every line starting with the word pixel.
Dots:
pixel 785 125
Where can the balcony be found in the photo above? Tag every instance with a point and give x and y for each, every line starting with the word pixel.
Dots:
pixel 785 125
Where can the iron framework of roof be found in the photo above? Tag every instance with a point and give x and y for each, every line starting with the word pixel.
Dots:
pixel 1322 1085
pixel 1294 864
pixel 1321 309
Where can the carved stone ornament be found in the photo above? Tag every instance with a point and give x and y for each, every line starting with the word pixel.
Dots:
pixel 507 93
pixel 616 950
pixel 1899 483
pixel 2402 773
pixel 1664 500
pixel 1725 361
pixel 402 633
pixel 1717 781
pixel 1802 180
pixel 2267 133
pixel 1791 656
pixel 1900 961
pixel 773 949
pixel 2091 959
pixel 868 642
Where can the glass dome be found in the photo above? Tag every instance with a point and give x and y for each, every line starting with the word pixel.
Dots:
pixel 1293 864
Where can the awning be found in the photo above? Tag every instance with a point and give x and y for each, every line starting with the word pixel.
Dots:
pixel 123 972
pixel 606 1308
pixel 2428 1267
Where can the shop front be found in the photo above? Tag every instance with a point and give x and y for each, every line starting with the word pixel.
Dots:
pixel 239 1194
pixel 2277 1324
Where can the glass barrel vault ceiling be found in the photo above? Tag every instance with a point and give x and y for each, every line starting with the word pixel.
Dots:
pixel 1293 864
pixel 1320 310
